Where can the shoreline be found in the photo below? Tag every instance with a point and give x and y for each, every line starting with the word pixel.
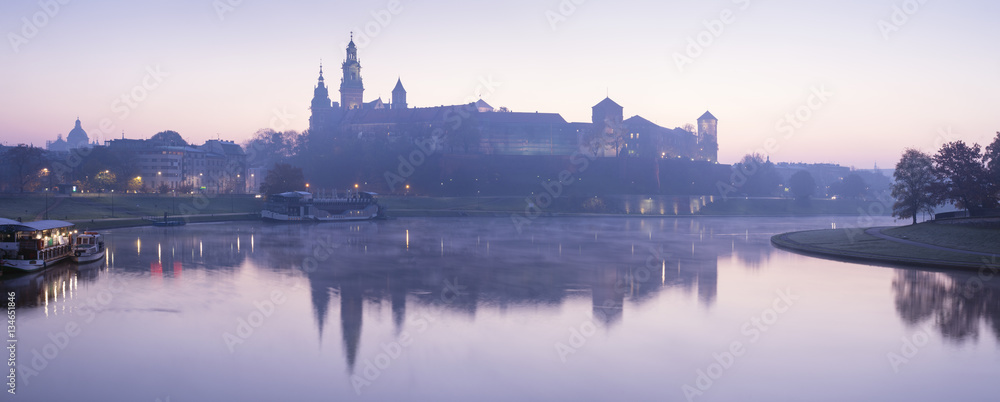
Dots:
pixel 872 245
pixel 119 223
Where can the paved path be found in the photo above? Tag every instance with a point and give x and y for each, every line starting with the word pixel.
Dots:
pixel 877 232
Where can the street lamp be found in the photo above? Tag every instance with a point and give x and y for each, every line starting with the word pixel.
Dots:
pixel 112 203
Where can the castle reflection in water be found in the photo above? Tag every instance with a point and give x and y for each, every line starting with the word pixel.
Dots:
pixel 459 266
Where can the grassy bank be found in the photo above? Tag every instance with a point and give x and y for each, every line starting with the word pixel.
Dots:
pixel 100 224
pixel 789 207
pixel 970 238
pixel 855 244
pixel 633 205
pixel 99 206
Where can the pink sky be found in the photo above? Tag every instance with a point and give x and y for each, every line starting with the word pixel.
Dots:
pixel 909 82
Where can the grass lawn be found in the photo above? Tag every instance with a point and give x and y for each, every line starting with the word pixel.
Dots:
pixel 854 243
pixel 98 206
pixel 971 238
pixel 789 207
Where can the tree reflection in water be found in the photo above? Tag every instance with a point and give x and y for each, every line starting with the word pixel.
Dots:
pixel 956 302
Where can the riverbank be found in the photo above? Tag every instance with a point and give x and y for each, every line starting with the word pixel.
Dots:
pixel 626 205
pixel 115 223
pixel 128 209
pixel 30 207
pixel 925 244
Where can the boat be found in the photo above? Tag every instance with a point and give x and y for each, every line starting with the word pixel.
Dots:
pixel 30 246
pixel 165 222
pixel 88 247
pixel 300 206
pixel 169 223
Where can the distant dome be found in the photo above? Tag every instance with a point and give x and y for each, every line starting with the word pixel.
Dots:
pixel 77 137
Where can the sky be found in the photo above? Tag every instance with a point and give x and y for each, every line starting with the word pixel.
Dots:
pixel 853 82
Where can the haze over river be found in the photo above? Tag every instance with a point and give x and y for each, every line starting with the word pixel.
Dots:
pixel 624 309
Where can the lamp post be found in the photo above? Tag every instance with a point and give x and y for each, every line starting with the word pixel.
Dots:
pixel 112 203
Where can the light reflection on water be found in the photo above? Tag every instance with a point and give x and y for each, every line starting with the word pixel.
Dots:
pixel 463 309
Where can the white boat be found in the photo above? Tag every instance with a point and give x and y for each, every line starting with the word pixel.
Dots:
pixel 88 247
pixel 31 246
pixel 300 206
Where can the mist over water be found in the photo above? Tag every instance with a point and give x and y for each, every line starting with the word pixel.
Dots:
pixel 471 309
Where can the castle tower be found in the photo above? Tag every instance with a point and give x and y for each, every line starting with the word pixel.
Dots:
pixel 708 138
pixel 399 96
pixel 351 88
pixel 607 112
pixel 607 127
pixel 319 120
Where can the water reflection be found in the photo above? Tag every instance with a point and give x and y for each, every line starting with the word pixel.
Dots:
pixel 459 266
pixel 39 289
pixel 955 303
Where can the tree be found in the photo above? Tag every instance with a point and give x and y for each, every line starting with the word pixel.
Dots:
pixel 26 166
pixel 169 137
pixel 851 187
pixel 991 158
pixel 755 176
pixel 802 185
pixel 268 147
pixel 281 178
pixel 965 181
pixel 104 169
pixel 916 184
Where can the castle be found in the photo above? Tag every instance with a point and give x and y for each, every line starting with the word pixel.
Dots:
pixel 478 128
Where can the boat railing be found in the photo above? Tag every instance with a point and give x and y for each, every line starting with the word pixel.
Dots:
pixel 44 254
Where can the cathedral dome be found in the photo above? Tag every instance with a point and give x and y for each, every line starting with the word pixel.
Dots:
pixel 77 137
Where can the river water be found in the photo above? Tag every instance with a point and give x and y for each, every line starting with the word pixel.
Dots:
pixel 482 309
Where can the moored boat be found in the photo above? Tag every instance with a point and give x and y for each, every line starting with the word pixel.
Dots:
pixel 88 247
pixel 300 206
pixel 29 246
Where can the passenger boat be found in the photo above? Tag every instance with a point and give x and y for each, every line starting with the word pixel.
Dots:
pixel 30 246
pixel 88 247
pixel 300 206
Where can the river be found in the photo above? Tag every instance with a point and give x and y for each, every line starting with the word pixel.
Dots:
pixel 482 309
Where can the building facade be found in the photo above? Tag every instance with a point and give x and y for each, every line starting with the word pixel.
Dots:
pixel 217 167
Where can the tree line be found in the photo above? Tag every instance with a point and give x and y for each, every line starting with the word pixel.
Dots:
pixel 965 176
